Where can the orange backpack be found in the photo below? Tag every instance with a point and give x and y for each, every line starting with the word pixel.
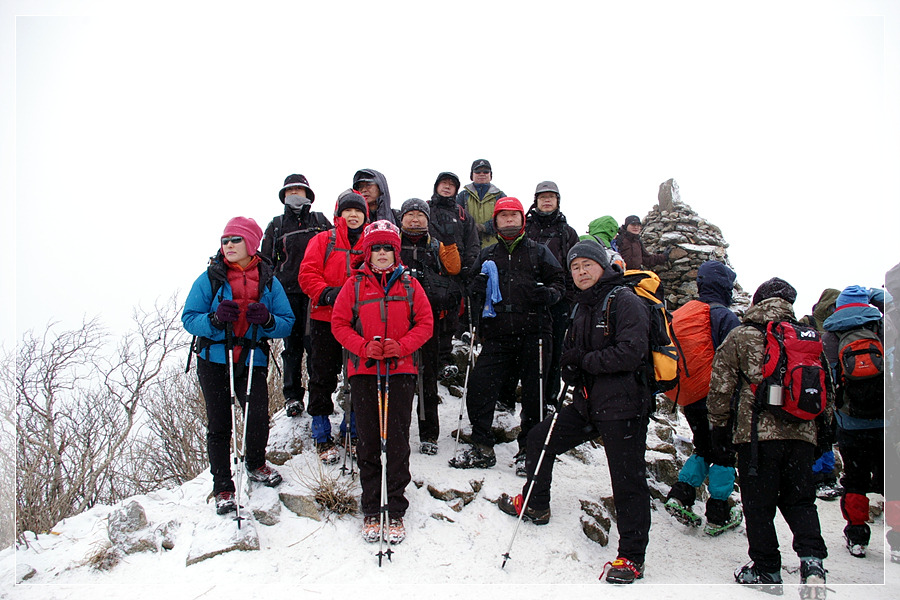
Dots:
pixel 692 329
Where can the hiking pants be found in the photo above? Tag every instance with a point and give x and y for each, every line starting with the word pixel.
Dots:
pixel 429 427
pixel 698 467
pixel 862 451
pixel 502 357
pixel 294 347
pixel 364 395
pixel 445 329
pixel 784 482
pixel 214 382
pixel 625 443
pixel 324 363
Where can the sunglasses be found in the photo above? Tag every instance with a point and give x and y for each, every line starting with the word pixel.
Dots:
pixel 235 239
pixel 382 248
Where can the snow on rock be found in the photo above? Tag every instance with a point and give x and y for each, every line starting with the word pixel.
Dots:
pixel 218 536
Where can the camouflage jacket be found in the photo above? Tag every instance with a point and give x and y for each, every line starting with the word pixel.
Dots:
pixel 742 351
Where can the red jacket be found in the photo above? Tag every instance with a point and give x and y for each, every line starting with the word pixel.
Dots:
pixel 318 272
pixel 410 332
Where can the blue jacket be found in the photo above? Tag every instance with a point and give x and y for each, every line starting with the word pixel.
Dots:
pixel 201 303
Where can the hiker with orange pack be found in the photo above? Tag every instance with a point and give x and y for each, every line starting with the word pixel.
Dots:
pixel 700 327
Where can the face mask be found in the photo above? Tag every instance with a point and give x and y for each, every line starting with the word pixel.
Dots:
pixel 509 232
pixel 296 202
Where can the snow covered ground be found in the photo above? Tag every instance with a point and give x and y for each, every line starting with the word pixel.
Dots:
pixel 300 557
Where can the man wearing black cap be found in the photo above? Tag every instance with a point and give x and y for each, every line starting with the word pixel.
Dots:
pixel 479 198
pixel 285 241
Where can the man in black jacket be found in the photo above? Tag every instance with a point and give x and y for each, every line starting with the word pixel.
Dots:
pixel 285 242
pixel 601 360
pixel 529 280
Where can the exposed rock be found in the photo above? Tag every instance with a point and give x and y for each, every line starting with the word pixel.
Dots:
pixel 456 499
pixel 302 506
pixel 221 536
pixel 279 457
pixel 165 534
pixel 596 521
pixel 24 572
pixel 266 507
pixel 442 517
pixel 127 529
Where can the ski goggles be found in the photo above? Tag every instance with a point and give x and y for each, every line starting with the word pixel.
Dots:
pixel 235 239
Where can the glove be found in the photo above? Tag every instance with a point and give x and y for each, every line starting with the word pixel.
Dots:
pixel 572 357
pixel 392 349
pixel 258 314
pixel 328 296
pixel 444 232
pixel 571 375
pixel 478 289
pixel 375 350
pixel 542 295
pixel 228 311
pixel 721 453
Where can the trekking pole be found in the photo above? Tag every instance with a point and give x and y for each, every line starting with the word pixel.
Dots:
pixel 541 362
pixel 235 406
pixel 537 470
pixel 462 402
pixel 348 415
pixel 382 427
pixel 255 330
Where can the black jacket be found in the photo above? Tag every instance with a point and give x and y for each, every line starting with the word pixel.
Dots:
pixel 285 241
pixel 554 232
pixel 613 354
pixel 449 222
pixel 519 273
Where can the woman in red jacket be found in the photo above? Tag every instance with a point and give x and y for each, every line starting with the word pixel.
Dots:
pixel 382 316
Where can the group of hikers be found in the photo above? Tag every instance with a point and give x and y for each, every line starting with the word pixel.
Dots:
pixel 379 295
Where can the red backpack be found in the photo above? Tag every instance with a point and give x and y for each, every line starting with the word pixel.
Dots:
pixel 792 360
pixel 861 368
pixel 692 328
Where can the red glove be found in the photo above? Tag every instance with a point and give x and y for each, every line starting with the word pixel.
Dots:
pixel 392 349
pixel 375 349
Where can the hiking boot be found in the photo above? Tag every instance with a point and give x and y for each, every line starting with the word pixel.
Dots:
pixel 683 514
pixel 225 503
pixel 265 475
pixel 328 452
pixel 734 518
pixel 466 338
pixel 857 538
pixel 428 447
pixel 622 570
pixel 520 464
pixel 829 490
pixel 448 371
pixel 811 571
pixel 750 574
pixel 293 408
pixel 478 456
pixel 512 505
pixel 396 531
pixel 857 550
pixel 371 529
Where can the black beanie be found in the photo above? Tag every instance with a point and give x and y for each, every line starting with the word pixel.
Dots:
pixel 415 204
pixel 632 220
pixel 775 288
pixel 351 199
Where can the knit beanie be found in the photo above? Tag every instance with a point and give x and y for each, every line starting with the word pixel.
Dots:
pixel 296 180
pixel 247 229
pixel 853 294
pixel 381 232
pixel 588 249
pixel 350 199
pixel 632 220
pixel 509 203
pixel 775 288
pixel 415 204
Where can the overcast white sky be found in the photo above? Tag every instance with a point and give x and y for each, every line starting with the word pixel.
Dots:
pixel 131 134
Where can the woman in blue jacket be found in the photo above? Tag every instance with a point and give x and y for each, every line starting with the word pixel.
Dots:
pixel 237 296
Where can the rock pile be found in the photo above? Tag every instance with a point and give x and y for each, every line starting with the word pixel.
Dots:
pixel 693 239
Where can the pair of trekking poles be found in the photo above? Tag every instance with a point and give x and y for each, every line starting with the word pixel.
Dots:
pixel 238 453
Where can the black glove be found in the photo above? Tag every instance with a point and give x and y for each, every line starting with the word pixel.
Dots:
pixel 721 452
pixel 228 311
pixel 258 314
pixel 572 375
pixel 541 295
pixel 573 357
pixel 445 232
pixel 478 289
pixel 328 296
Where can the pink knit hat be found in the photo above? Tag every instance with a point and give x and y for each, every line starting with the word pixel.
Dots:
pixel 247 229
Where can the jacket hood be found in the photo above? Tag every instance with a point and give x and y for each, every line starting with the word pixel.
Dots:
pixel 851 316
pixel 770 309
pixel 604 227
pixel 446 175
pixel 825 306
pixel 383 210
pixel 715 282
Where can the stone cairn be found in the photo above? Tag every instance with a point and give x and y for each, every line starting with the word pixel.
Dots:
pixel 693 239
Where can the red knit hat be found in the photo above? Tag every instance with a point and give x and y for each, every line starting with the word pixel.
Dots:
pixel 247 229
pixel 509 203
pixel 381 232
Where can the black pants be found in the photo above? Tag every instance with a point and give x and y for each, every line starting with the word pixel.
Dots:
pixel 862 451
pixel 324 363
pixel 294 346
pixel 560 314
pixel 365 397
pixel 214 382
pixel 784 482
pixel 445 328
pixel 625 443
pixel 697 415
pixel 429 426
pixel 503 357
